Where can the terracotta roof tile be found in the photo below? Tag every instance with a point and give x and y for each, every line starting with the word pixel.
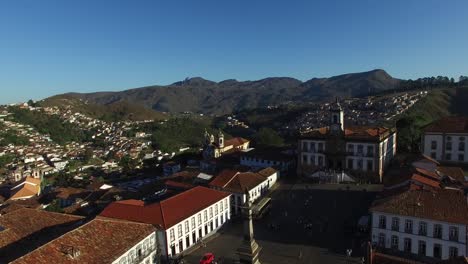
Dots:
pixel 237 182
pixel 443 205
pixel 167 212
pixel 22 229
pixel 448 125
pixel 99 241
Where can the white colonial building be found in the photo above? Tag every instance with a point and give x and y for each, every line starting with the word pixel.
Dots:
pixel 422 223
pixel 335 150
pixel 182 220
pixel 446 140
pixel 237 183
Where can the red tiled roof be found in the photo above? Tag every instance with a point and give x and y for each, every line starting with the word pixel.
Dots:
pixel 426 181
pixel 448 125
pixel 453 172
pixel 25 223
pixel 99 241
pixel 237 141
pixel 429 174
pixel 167 212
pixel 356 133
pixel 237 182
pixel 443 205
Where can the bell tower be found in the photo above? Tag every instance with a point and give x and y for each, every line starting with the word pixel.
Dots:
pixel 337 117
pixel 220 139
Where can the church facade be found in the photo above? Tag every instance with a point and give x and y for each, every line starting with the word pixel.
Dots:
pixel 215 147
pixel 337 153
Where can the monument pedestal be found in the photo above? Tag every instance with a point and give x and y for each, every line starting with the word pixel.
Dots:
pixel 248 252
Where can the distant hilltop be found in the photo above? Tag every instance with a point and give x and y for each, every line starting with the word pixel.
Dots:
pixel 204 96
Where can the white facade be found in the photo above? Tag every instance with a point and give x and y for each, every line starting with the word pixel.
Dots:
pixel 144 252
pixel 419 236
pixel 189 231
pixel 313 152
pixel 238 199
pixel 264 163
pixel 451 147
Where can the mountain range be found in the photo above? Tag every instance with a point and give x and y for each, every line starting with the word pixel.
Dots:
pixel 204 96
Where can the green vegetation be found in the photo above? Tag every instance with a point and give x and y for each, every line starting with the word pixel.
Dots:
pixel 113 112
pixel 437 104
pixel 267 137
pixel 54 206
pixel 10 137
pixel 5 159
pixel 179 132
pixel 59 131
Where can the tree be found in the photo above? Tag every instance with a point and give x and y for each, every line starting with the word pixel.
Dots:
pixel 268 137
pixel 88 155
pixel 409 135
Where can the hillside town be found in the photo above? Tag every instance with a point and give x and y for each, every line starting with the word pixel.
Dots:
pixel 380 205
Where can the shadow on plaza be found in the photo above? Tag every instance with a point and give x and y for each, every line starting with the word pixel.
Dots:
pixel 319 218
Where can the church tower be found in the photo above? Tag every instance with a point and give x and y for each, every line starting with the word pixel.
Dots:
pixel 220 139
pixel 337 117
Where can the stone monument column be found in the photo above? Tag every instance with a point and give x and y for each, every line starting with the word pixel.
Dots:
pixel 249 250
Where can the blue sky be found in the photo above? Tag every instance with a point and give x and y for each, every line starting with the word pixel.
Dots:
pixel 54 46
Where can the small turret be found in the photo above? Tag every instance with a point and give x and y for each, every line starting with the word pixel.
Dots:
pixel 221 139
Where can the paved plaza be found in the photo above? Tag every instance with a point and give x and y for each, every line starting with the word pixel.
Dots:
pixel 307 224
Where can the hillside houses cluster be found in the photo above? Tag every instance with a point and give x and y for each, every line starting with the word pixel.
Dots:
pixel 359 111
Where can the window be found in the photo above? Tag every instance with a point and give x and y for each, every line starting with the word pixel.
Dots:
pixel 407 245
pixel 350 163
pixel 453 233
pixel 221 205
pixel 211 212
pixel 409 226
pixel 448 156
pixel 433 144
pixel 395 224
pixel 187 229
pixel 437 251
pixel 179 230
pixel 171 234
pixel 351 148
pixel 382 222
pixel 461 146
pixel 438 231
pixel 448 145
pixel 312 146
pixel 422 228
pixel 394 242
pixel 193 222
pixel 381 242
pixel 370 151
pixel 360 149
pixel 216 209
pixel 453 252
pixel 320 161
pixel 461 157
pixel 305 146
pixel 422 248
pixel 433 155
pixel 304 159
pixel 199 219
pixel 320 146
pixel 225 203
pixel 359 164
pixel 370 165
pixel 205 216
